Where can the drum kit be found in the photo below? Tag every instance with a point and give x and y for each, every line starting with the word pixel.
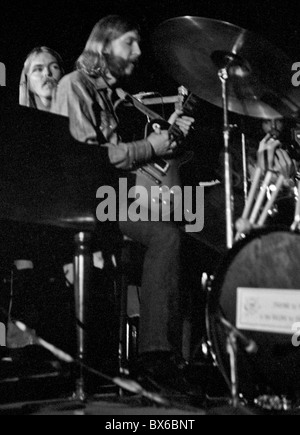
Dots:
pixel 253 302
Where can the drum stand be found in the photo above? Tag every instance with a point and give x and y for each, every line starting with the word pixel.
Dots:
pixel 231 347
pixel 296 223
pixel 228 64
pixel 232 350
pixel 224 76
pixel 245 169
pixel 249 345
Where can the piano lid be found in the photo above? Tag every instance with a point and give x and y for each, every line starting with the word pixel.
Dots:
pixel 47 177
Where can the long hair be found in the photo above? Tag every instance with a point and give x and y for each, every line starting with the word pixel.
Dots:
pixel 26 97
pixel 92 60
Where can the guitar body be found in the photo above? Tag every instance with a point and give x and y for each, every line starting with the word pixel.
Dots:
pixel 161 177
pixel 164 189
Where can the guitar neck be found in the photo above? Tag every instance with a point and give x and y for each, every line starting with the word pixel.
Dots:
pixel 141 107
pixel 188 109
pixel 174 131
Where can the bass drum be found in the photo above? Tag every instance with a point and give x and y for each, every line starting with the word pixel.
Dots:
pixel 267 259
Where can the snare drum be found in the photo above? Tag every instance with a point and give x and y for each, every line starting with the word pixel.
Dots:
pixel 266 259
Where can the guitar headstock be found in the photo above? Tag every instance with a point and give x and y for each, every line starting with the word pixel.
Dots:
pixel 182 96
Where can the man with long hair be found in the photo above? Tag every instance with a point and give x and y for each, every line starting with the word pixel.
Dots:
pixel 87 97
pixel 43 68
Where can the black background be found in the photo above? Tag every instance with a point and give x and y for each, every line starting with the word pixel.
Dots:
pixel 65 26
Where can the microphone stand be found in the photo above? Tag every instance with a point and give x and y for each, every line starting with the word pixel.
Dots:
pixel 229 205
pixel 228 64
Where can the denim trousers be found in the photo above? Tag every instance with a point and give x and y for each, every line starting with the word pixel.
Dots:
pixel 160 316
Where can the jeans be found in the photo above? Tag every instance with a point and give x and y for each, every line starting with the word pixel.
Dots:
pixel 160 317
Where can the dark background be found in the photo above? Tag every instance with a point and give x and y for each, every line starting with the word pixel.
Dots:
pixel 65 26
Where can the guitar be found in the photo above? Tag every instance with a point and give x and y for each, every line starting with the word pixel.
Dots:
pixel 161 176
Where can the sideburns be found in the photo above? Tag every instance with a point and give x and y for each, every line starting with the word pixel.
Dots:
pixel 116 65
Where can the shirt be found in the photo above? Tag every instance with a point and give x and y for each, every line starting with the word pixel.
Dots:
pixel 87 102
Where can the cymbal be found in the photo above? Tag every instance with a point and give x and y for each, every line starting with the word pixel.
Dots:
pixel 193 50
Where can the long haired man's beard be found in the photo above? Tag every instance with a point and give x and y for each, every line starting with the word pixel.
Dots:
pixel 117 66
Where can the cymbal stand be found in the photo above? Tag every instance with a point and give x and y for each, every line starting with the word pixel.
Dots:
pixel 229 201
pixel 245 169
pixel 296 223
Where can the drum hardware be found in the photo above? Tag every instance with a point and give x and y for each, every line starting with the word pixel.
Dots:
pixel 193 49
pixel 248 344
pixel 266 188
pixel 291 145
pixel 296 224
pixel 233 337
pixel 268 378
pixel 206 344
pixel 231 348
pixel 245 167
pixel 255 76
pixel 274 403
pixel 235 399
pixel 227 63
pixel 254 216
pixel 208 351
pixel 255 79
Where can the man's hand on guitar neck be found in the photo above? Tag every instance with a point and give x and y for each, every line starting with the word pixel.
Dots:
pixel 160 140
pixel 161 143
pixel 185 123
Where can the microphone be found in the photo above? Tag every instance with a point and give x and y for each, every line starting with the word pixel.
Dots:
pixel 249 345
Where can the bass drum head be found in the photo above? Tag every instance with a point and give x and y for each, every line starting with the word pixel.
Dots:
pixel 267 259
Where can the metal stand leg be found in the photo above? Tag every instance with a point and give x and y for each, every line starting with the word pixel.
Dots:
pixel 232 351
pixel 82 268
pixel 128 333
pixel 229 65
pixel 245 169
pixel 124 326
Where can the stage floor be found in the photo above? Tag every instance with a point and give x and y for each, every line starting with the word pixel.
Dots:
pixel 104 405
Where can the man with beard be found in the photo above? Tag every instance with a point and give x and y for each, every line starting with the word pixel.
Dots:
pixel 87 97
